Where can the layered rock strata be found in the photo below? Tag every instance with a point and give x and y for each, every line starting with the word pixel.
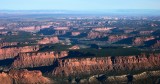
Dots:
pixel 77 66
pixel 23 77
pixel 6 53
pixel 8 44
pixel 49 40
pixel 37 59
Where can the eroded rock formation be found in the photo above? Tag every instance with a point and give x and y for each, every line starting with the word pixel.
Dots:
pixel 49 40
pixel 115 38
pixel 140 40
pixel 7 44
pixel 5 78
pixel 37 59
pixel 34 60
pixel 83 66
pixel 6 53
pixel 23 77
pixel 93 35
pixel 94 65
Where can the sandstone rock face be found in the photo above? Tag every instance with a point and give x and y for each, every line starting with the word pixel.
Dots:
pixel 74 47
pixel 75 33
pixel 23 77
pixel 140 40
pixel 37 59
pixel 6 53
pixel 131 62
pixel 28 29
pixel 61 54
pixel 93 35
pixel 25 60
pixel 49 40
pixel 7 44
pixel 94 65
pixel 5 78
pixel 83 66
pixel 33 28
pixel 115 38
pixel 140 76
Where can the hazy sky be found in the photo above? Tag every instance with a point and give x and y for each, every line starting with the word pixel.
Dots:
pixel 78 4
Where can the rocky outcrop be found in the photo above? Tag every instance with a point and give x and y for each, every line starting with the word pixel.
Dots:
pixel 147 76
pixel 124 78
pixel 93 35
pixel 140 40
pixel 74 47
pixel 115 38
pixel 5 78
pixel 37 59
pixel 23 77
pixel 157 44
pixel 83 66
pixel 49 40
pixel 75 33
pixel 7 44
pixel 25 60
pixel 6 53
pixel 80 66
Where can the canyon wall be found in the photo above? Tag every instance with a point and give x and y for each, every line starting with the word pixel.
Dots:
pixel 25 60
pixel 115 38
pixel 49 40
pixel 23 77
pixel 37 59
pixel 80 66
pixel 8 44
pixel 11 52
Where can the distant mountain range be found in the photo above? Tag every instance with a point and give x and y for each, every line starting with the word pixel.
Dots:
pixel 116 11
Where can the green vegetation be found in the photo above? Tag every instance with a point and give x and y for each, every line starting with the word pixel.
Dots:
pixel 105 52
pixel 54 47
pixel 21 37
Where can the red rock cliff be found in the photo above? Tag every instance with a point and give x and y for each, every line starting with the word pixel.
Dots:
pixel 83 66
pixel 103 64
pixel 37 59
pixel 6 53
pixel 23 77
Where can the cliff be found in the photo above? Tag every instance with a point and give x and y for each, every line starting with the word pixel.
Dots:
pixel 6 53
pixel 140 40
pixel 37 59
pixel 115 38
pixel 80 66
pixel 8 44
pixel 5 78
pixel 25 60
pixel 23 77
pixel 49 40
pixel 83 66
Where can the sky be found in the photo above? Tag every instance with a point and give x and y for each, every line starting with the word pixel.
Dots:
pixel 78 4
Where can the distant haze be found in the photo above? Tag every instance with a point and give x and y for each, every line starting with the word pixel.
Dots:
pixel 133 12
pixel 79 5
pixel 129 7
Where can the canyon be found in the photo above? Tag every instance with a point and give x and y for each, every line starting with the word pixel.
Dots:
pixel 81 66
pixel 28 57
pixel 79 49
